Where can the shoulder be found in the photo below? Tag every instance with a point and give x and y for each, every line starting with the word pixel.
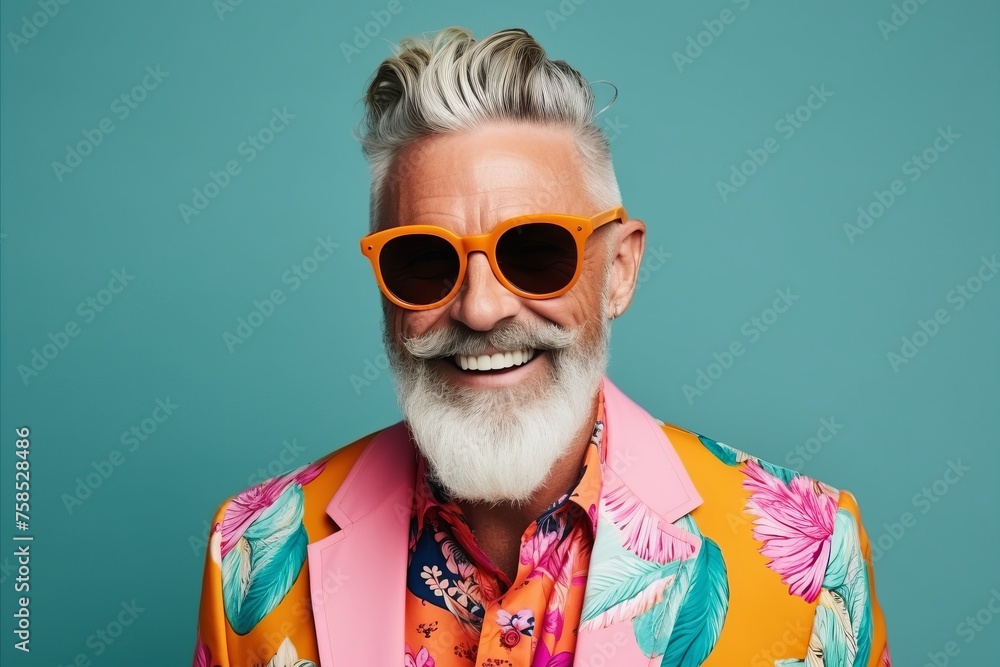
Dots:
pixel 300 495
pixel 733 480
pixel 810 531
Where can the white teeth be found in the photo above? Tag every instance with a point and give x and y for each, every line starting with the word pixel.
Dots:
pixel 494 362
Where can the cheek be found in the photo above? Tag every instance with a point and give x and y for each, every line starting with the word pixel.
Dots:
pixel 410 323
pixel 571 310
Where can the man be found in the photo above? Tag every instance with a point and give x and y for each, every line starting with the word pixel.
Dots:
pixel 525 512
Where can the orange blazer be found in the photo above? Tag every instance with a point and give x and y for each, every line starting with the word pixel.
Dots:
pixel 751 563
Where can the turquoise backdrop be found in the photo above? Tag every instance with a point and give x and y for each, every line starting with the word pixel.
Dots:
pixel 170 166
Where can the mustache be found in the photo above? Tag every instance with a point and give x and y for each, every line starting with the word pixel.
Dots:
pixel 511 336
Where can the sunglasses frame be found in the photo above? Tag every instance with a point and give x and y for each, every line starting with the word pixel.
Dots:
pixel 580 227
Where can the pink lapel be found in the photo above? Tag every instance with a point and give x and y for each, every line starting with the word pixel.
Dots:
pixel 640 453
pixel 641 457
pixel 358 575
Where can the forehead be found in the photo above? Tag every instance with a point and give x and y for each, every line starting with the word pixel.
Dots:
pixel 470 181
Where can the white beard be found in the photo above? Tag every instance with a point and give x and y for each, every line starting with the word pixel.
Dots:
pixel 500 445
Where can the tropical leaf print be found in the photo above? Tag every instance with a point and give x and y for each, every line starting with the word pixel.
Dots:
pixel 643 532
pixel 287 656
pixel 620 585
pixel 847 577
pixel 263 563
pixel 728 455
pixel 702 590
pixel 842 626
pixel 733 457
pixel 795 523
pixel 202 654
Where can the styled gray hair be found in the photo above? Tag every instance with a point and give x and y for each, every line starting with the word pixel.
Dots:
pixel 452 83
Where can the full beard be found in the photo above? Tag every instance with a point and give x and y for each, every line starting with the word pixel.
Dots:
pixel 499 445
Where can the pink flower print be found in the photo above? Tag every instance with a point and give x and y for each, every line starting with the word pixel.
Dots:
pixel 538 547
pixel 244 509
pixel 553 623
pixel 456 559
pixel 512 626
pixel 523 621
pixel 795 523
pixel 202 654
pixel 644 533
pixel 545 659
pixel 421 658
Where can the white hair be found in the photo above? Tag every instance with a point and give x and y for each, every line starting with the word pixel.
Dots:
pixel 454 83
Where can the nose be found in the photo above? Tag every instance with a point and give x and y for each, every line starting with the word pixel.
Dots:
pixel 482 301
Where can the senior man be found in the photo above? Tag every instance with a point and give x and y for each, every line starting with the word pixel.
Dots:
pixel 525 512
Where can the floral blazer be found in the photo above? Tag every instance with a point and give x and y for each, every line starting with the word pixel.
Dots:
pixel 703 555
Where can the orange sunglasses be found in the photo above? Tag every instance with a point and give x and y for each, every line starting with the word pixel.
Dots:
pixel 540 256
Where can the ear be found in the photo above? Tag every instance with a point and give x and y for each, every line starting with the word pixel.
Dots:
pixel 631 244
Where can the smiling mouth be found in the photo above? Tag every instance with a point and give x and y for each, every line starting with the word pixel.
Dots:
pixel 498 361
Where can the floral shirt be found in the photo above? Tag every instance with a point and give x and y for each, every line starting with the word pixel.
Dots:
pixel 461 610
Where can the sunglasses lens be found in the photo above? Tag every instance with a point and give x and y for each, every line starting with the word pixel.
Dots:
pixel 419 268
pixel 538 258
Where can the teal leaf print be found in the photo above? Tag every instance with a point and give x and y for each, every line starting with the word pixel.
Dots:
pixel 702 611
pixel 847 577
pixel 832 641
pixel 728 455
pixel 264 561
pixel 620 585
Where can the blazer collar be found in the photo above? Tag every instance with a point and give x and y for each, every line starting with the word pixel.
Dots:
pixel 358 574
pixel 642 456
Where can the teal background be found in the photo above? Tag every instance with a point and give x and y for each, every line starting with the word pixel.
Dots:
pixel 675 135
